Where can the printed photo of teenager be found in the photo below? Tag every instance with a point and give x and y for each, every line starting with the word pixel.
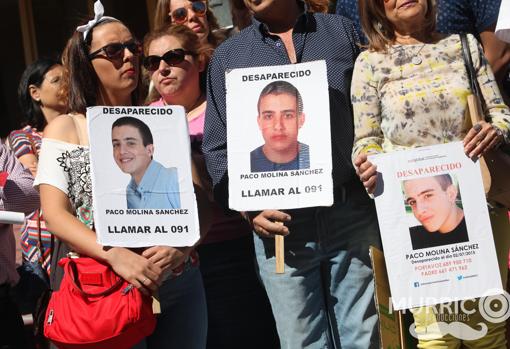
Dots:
pixel 434 202
pixel 152 185
pixel 279 117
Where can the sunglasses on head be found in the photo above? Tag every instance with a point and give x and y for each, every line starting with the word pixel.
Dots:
pixel 116 50
pixel 180 14
pixel 171 57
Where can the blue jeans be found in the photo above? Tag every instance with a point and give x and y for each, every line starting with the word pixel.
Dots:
pixel 325 299
pixel 183 319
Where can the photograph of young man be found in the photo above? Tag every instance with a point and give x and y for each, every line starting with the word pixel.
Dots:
pixel 152 185
pixel 433 202
pixel 280 116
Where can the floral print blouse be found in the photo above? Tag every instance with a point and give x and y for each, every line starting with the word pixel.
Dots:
pixel 398 104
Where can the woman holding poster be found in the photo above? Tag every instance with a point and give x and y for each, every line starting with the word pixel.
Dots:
pixel 409 90
pixel 174 59
pixel 102 67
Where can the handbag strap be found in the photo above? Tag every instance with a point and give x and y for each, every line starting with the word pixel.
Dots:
pixel 72 271
pixel 475 100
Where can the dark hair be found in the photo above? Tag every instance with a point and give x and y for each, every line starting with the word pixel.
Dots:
pixel 379 30
pixel 142 127
pixel 162 18
pixel 444 180
pixel 80 82
pixel 33 74
pixel 281 87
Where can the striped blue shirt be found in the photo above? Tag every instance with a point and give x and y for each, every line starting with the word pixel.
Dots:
pixel 316 37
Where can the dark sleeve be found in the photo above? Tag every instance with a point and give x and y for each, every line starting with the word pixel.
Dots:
pixel 353 37
pixel 485 13
pixel 215 129
pixel 349 9
pixel 18 194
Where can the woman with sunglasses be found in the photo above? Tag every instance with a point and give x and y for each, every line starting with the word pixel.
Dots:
pixel 102 67
pixel 194 14
pixel 238 310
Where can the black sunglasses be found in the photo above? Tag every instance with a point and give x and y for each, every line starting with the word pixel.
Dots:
pixel 171 57
pixel 116 50
pixel 180 14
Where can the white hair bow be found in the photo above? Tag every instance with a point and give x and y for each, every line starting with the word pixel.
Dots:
pixel 98 18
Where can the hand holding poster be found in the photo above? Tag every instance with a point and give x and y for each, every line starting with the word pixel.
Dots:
pixel 435 226
pixel 141 177
pixel 278 136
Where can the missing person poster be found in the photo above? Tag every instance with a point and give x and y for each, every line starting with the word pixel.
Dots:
pixel 278 137
pixel 435 226
pixel 141 177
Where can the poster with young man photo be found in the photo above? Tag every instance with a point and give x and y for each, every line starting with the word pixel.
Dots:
pixel 435 226
pixel 279 138
pixel 435 202
pixel 142 190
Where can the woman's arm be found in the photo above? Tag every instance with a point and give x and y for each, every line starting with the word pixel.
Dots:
pixel 61 220
pixel 368 136
pixel 496 128
pixel 496 51
pixel 23 148
pixel 30 162
pixel 17 194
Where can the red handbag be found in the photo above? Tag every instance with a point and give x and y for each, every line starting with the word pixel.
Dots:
pixel 95 308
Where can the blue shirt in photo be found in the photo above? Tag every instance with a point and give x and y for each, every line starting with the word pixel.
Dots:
pixel 158 189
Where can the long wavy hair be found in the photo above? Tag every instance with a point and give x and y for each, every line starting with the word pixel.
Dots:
pixel 80 83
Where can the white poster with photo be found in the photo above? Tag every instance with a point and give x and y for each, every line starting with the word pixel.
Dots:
pixel 435 227
pixel 278 137
pixel 141 177
pixel 503 24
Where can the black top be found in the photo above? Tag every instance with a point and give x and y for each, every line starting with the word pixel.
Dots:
pixel 421 238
